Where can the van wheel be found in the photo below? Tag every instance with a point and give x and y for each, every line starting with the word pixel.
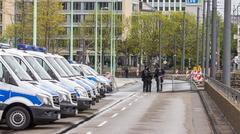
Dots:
pixel 18 118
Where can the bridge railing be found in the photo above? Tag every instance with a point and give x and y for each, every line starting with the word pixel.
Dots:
pixel 231 94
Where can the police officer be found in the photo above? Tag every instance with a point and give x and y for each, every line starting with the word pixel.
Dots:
pixel 161 78
pixel 157 76
pixel 144 76
pixel 149 80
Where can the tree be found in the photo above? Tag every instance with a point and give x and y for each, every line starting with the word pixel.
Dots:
pixel 49 23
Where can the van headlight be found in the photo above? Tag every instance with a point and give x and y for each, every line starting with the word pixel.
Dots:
pixel 46 100
pixel 81 91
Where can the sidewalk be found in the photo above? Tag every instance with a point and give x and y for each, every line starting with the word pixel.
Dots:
pixel 125 81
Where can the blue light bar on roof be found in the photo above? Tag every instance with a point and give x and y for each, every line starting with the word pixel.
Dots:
pixel 31 48
pixel 21 47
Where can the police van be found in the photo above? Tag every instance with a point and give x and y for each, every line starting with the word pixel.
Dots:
pixel 68 97
pixel 75 76
pixel 22 103
pixel 56 72
pixel 94 76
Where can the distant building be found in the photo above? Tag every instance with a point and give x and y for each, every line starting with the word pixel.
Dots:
pixel 189 6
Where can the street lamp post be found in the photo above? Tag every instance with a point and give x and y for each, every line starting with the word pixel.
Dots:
pixel 111 39
pixel 197 47
pixel 207 36
pixel 184 42
pixel 35 23
pixel 203 42
pixel 101 40
pixel 214 39
pixel 96 36
pixel 101 43
pixel 71 34
pixel 227 42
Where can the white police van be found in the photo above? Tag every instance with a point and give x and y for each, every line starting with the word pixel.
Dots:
pixel 92 90
pixel 83 100
pixel 23 104
pixel 68 99
pixel 91 74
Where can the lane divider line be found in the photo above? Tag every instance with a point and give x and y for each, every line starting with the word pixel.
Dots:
pixel 102 124
pixel 130 104
pixel 124 108
pixel 89 132
pixel 135 100
pixel 113 116
pixel 78 123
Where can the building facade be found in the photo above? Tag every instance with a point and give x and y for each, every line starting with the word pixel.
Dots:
pixel 189 6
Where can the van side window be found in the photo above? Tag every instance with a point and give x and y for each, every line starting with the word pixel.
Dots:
pixel 47 68
pixel 24 66
pixel 5 76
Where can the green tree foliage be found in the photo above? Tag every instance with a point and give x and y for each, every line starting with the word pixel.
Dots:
pixel 145 35
pixel 49 23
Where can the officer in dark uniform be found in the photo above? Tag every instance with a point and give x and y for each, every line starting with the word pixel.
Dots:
pixel 144 75
pixel 157 76
pixel 149 80
pixel 161 78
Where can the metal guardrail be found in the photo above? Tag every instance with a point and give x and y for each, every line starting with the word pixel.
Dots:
pixel 232 94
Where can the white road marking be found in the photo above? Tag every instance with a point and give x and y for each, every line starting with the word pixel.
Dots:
pixel 116 114
pixel 89 132
pixel 124 108
pixel 130 104
pixel 136 100
pixel 102 124
pixel 145 94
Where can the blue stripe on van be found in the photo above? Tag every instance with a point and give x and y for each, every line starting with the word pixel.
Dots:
pixel 4 95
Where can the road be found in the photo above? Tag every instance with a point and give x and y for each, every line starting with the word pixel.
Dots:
pixel 129 111
pixel 151 113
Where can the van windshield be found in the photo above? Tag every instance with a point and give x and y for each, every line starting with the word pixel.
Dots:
pixel 89 70
pixel 76 73
pixel 56 67
pixel 67 71
pixel 16 67
pixel 38 68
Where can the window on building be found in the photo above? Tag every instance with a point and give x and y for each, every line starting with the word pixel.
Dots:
pixel 166 8
pixel 89 6
pixel 183 8
pixel 144 0
pixel 77 6
pixel 166 0
pixel 177 8
pixel 65 7
pixel 0 30
pixel 76 18
pixel 177 0
pixel 155 0
pixel 118 5
pixel 150 0
pixel 172 8
pixel 161 0
pixel 160 8
pixel 103 5
pixel 183 0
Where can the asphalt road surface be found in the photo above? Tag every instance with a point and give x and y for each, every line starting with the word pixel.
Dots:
pixel 152 113
pixel 129 111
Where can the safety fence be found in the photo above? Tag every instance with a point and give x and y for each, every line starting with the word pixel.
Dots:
pixel 231 94
pixel 177 82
